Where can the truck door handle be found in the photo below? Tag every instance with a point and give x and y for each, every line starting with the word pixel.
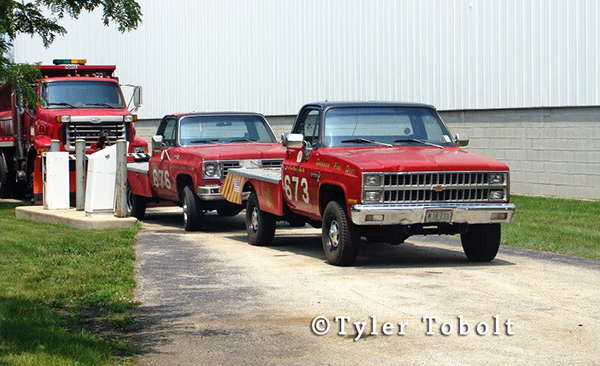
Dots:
pixel 317 176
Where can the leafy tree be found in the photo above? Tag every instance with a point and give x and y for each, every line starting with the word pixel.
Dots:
pixel 21 17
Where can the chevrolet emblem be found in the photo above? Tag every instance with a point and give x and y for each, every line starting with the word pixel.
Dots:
pixel 437 188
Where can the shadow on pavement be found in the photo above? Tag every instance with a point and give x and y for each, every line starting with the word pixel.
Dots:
pixel 381 255
pixel 156 326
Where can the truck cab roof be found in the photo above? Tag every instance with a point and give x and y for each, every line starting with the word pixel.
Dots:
pixel 334 104
pixel 199 114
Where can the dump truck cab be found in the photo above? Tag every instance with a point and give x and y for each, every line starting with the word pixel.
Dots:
pixel 78 101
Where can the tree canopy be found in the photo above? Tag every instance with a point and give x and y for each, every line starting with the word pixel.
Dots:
pixel 41 18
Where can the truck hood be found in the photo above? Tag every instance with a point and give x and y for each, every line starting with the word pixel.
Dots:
pixel 415 158
pixel 85 112
pixel 237 151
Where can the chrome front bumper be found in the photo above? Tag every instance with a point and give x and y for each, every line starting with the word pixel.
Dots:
pixel 211 193
pixel 409 214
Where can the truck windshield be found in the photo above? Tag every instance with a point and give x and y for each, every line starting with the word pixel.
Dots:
pixel 82 94
pixel 199 130
pixel 376 125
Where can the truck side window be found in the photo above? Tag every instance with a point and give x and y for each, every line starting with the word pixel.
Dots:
pixel 309 127
pixel 168 132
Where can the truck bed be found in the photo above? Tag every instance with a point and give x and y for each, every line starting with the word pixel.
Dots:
pixel 142 168
pixel 139 178
pixel 269 175
pixel 266 183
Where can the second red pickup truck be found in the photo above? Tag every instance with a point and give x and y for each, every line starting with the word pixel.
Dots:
pixel 191 156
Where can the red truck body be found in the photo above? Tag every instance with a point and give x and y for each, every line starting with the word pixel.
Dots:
pixel 175 165
pixel 386 187
pixel 26 132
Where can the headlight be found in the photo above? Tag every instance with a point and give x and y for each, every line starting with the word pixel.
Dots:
pixel 497 195
pixel 372 196
pixel 372 180
pixel 140 149
pixel 128 118
pixel 497 178
pixel 211 171
pixel 63 119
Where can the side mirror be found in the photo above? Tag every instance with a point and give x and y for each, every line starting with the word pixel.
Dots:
pixel 137 97
pixel 293 140
pixel 461 139
pixel 157 142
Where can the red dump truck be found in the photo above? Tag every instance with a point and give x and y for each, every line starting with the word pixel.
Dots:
pixel 383 171
pixel 78 101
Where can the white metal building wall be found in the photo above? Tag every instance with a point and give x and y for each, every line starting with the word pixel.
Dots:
pixel 272 56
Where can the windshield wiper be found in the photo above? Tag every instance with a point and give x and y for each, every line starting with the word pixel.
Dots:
pixel 420 142
pixel 101 104
pixel 244 139
pixel 62 103
pixel 204 141
pixel 360 139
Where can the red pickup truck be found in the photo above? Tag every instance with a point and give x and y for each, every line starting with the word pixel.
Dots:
pixel 191 155
pixel 384 171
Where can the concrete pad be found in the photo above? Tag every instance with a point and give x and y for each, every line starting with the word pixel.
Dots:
pixel 74 218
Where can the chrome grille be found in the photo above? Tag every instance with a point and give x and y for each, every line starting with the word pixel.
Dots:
pixel 90 132
pixel 428 179
pixel 437 187
pixel 226 165
pixel 274 163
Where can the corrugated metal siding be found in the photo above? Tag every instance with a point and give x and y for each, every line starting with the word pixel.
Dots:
pixel 272 56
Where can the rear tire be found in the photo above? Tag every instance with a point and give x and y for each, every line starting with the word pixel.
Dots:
pixel 192 210
pixel 136 205
pixel 481 242
pixel 260 225
pixel 340 236
pixel 6 183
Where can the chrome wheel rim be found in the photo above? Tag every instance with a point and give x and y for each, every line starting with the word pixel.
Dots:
pixel 334 235
pixel 185 208
pixel 254 219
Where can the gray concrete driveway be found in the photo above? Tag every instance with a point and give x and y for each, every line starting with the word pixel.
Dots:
pixel 209 298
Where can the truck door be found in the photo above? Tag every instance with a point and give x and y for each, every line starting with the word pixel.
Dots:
pixel 160 162
pixel 301 176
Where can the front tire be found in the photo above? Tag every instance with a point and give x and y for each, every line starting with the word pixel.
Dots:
pixel 481 242
pixel 192 210
pixel 340 236
pixel 260 225
pixel 136 204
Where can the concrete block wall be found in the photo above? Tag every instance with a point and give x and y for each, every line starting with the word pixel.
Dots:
pixel 551 152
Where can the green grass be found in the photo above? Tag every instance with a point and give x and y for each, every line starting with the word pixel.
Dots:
pixel 555 225
pixel 65 294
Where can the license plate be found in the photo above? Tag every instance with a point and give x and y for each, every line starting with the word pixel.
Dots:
pixel 438 216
